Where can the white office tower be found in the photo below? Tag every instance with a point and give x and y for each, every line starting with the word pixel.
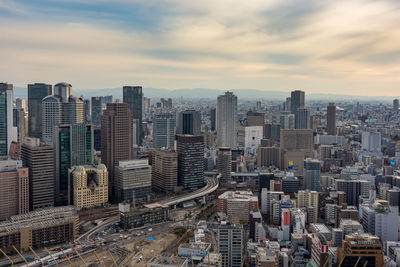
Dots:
pixel 60 108
pixel 266 200
pixel 6 117
pixel 371 141
pixel 227 120
pixel 230 244
pixel 381 220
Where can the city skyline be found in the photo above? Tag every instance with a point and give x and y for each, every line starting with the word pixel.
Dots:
pixel 316 46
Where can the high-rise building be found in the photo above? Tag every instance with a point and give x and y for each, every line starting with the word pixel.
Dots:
pixel 87 186
pixel 116 138
pixel 133 96
pixel 73 146
pixel 14 189
pixel 19 126
pixel 189 122
pixel 227 120
pixel 297 100
pixel 6 117
pixel 164 130
pixel 60 108
pixel 133 180
pixel 36 93
pixel 288 104
pixel 354 189
pixel 255 118
pixel 231 244
pixel 396 105
pixel 331 119
pixel 165 170
pixel 361 250
pixel 371 141
pixel 312 174
pixel 302 118
pixel 296 145
pixel 88 110
pixel 268 156
pixel 97 107
pixel 224 163
pixel 381 220
pixel 39 159
pixel 309 199
pixel 213 118
pixel 190 150
pixel 20 103
pixel 235 206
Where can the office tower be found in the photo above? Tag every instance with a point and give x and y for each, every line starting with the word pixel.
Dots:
pixel 267 197
pixel 133 96
pixel 381 220
pixel 288 104
pixel 87 186
pixel 60 108
pixel 213 118
pixel 312 174
pixel 224 162
pixel 227 120
pixel 284 119
pixel 354 189
pixel 306 199
pixel 302 118
pixel 255 118
pixel 268 156
pixel 296 145
pixel 164 130
pixel 230 244
pixel 164 170
pixel 19 127
pixel 108 99
pixel 252 138
pixel 331 119
pixel 290 184
pixel 97 107
pixel 36 93
pixel 88 110
pixel 264 179
pixel 189 122
pixel 73 146
pixel 297 100
pixel 371 141
pixel 97 138
pixel 40 228
pixel 190 150
pixel 14 189
pixel 20 103
pixel 6 117
pixel 396 105
pixel 133 180
pixel 361 250
pixel 116 138
pixel 39 159
pixel 258 105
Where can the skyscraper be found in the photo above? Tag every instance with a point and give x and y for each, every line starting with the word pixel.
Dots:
pixel 353 189
pixel 164 170
pixel 36 93
pixel 288 104
pixel 60 108
pixel 297 100
pixel 39 159
pixel 190 150
pixel 224 163
pixel 255 118
pixel 19 126
pixel 396 105
pixel 164 130
pixel 189 122
pixel 230 244
pixel 6 117
pixel 331 119
pixel 116 138
pixel 97 103
pixel 133 96
pixel 14 189
pixel 213 117
pixel 88 110
pixel 73 146
pixel 312 173
pixel 227 120
pixel 302 118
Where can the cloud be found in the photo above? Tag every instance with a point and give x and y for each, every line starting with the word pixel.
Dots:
pixel 320 46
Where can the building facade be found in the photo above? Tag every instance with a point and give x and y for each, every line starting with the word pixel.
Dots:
pixel 133 96
pixel 164 127
pixel 227 120
pixel 6 117
pixel 164 170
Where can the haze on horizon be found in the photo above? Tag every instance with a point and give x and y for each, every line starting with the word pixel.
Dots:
pixel 335 47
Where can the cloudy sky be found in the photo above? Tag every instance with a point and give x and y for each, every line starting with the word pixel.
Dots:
pixel 350 47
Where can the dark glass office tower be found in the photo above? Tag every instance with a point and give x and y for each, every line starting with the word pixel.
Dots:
pixel 190 150
pixel 133 96
pixel 97 103
pixel 189 122
pixel 36 92
pixel 297 100
pixel 331 119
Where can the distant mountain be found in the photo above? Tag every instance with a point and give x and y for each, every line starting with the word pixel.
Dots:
pixel 197 93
